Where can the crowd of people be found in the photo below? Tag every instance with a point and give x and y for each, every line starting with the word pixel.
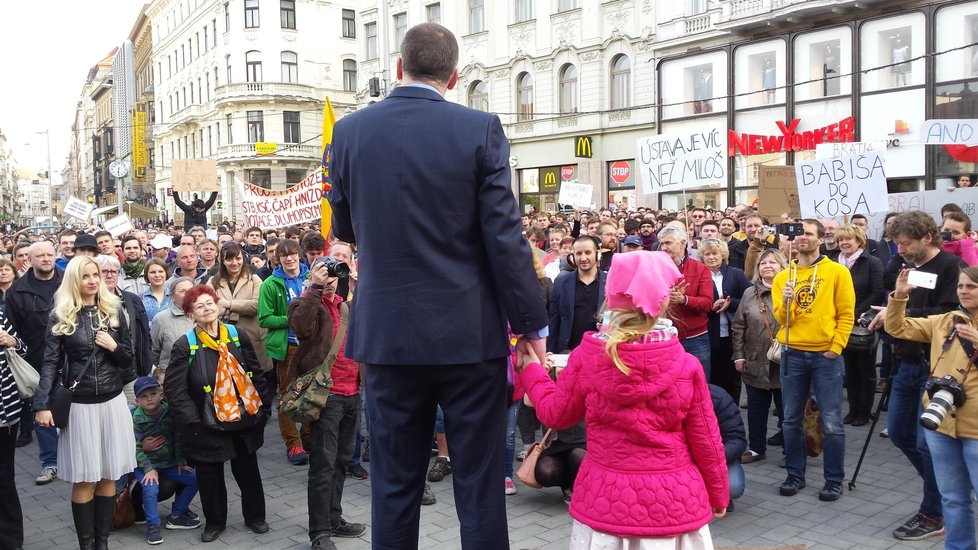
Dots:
pixel 620 340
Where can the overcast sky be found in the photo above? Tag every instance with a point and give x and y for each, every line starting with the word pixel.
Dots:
pixel 48 48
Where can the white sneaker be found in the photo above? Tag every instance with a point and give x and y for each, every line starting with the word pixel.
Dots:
pixel 47 475
pixel 510 486
pixel 520 455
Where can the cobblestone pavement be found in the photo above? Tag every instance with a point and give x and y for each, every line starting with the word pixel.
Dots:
pixel 885 496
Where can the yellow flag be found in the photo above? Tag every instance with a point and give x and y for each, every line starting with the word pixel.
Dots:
pixel 328 120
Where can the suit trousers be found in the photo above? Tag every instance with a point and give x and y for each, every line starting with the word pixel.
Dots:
pixel 214 492
pixel 11 517
pixel 401 403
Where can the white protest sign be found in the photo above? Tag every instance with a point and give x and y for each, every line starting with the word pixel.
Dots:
pixel 118 225
pixel 78 208
pixel 681 160
pixel 575 194
pixel 927 201
pixel 954 131
pixel 301 203
pixel 842 186
pixel 836 150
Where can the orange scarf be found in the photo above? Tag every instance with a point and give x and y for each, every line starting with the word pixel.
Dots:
pixel 230 377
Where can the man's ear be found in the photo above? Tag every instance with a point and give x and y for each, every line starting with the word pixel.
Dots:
pixel 453 80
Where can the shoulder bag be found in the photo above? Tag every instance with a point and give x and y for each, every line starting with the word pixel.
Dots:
pixel 305 397
pixel 773 352
pixel 208 414
pixel 527 471
pixel 25 375
pixel 59 400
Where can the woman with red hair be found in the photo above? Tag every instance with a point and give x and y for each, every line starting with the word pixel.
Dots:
pixel 211 367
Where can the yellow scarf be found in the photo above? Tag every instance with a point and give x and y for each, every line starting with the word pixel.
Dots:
pixel 230 376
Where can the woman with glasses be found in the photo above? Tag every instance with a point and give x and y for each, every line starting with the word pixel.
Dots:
pixel 237 290
pixel 217 373
pixel 729 284
pixel 134 315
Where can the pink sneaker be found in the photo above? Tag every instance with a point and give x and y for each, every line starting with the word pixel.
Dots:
pixel 510 486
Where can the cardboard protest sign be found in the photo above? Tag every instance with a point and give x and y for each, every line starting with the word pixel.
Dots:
pixel 949 132
pixel 118 225
pixel 777 192
pixel 575 194
pixel 78 208
pixel 842 186
pixel 271 209
pixel 194 175
pixel 676 161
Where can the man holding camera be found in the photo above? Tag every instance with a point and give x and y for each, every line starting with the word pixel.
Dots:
pixel 814 304
pixel 919 244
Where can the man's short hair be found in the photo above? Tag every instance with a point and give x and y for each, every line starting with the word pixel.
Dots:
pixel 131 237
pixel 710 222
pixel 959 217
pixel 286 247
pixel 819 228
pixel 272 241
pixel 18 246
pixel 102 233
pixel 632 226
pixel 859 217
pixel 536 233
pixel 588 239
pixel 429 52
pixel 677 233
pixel 292 231
pixel 915 224
pixel 763 219
pixel 67 233
pixel 312 241
pixel 252 229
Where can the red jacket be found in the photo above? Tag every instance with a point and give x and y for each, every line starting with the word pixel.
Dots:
pixel 691 318
pixel 346 371
pixel 655 463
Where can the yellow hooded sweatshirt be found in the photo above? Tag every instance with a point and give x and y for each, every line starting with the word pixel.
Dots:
pixel 823 310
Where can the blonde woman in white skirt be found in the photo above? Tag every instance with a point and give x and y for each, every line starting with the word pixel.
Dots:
pixel 97 447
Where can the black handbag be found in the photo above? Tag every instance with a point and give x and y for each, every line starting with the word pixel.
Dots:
pixel 59 400
pixel 208 414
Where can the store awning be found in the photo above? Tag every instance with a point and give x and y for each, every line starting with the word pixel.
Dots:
pixel 135 211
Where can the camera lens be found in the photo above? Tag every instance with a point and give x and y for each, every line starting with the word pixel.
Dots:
pixel 935 412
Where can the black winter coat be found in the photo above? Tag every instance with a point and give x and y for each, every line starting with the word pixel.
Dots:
pixel 867 281
pixel 184 386
pixel 141 351
pixel 103 379
pixel 191 218
pixel 28 307
pixel 731 424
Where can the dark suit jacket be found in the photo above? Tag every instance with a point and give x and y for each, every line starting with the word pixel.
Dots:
pixel 735 283
pixel 422 186
pixel 562 308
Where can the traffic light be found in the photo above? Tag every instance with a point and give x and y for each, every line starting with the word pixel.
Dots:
pixel 374 85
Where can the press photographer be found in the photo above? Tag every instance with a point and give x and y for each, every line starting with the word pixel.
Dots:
pixel 951 420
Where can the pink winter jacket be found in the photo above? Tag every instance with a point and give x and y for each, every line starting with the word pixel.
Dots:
pixel 655 465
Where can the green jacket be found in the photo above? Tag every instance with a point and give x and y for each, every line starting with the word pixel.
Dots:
pixel 273 307
pixel 166 456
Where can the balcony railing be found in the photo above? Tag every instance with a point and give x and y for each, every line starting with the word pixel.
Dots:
pixel 182 115
pixel 246 151
pixel 260 90
pixel 698 23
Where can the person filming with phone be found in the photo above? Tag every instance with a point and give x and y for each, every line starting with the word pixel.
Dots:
pixel 949 418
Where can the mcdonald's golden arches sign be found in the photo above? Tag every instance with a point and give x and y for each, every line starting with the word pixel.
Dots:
pixel 582 147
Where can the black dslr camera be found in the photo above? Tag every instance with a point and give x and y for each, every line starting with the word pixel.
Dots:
pixel 945 393
pixel 334 267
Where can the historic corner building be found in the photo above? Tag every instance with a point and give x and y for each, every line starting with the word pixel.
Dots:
pixel 779 76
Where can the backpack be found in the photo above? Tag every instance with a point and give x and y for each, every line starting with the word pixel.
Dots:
pixel 194 345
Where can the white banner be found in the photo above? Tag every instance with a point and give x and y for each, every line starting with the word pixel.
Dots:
pixel 672 162
pixel 842 186
pixel 267 209
pixel 836 150
pixel 575 194
pixel 118 225
pixel 950 131
pixel 78 209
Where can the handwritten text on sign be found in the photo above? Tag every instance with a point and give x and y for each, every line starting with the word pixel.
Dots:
pixel 950 131
pixel 575 194
pixel 842 186
pixel 78 208
pixel 302 203
pixel 672 162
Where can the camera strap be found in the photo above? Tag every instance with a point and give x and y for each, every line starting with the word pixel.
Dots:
pixel 968 348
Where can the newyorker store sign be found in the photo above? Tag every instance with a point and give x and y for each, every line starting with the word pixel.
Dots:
pixel 790 139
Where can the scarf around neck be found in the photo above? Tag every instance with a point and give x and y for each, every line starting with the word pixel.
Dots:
pixel 231 383
pixel 134 271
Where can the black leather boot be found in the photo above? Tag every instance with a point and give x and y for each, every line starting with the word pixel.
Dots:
pixel 84 516
pixel 103 521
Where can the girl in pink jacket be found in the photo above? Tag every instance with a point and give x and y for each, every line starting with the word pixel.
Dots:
pixel 655 466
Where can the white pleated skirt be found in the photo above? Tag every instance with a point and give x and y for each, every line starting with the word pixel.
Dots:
pixel 585 538
pixel 98 442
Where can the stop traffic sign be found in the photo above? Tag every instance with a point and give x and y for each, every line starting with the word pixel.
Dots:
pixel 620 172
pixel 567 173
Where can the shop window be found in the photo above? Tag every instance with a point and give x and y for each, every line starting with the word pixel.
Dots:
pixel 957 26
pixel 958 100
pixel 758 122
pixel 888 45
pixel 760 77
pixel 694 85
pixel 823 64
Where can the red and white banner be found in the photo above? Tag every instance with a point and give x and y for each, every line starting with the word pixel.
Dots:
pixel 267 209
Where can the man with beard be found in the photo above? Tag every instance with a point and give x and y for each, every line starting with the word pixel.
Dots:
pixel 29 302
pixel 132 279
pixel 646 230
pixel 608 233
pixel 830 247
pixel 575 298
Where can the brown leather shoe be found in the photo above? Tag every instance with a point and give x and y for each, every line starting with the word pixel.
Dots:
pixel 750 456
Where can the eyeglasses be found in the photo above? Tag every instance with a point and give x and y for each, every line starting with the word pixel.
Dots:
pixel 110 272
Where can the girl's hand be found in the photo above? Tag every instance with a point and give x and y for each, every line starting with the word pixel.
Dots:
pixel 719 513
pixel 102 339
pixel 7 340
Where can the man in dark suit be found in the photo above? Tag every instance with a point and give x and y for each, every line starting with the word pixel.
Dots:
pixel 576 297
pixel 429 316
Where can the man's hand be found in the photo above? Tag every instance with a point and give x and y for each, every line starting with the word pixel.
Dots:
pixel 529 351
pixel 153 442
pixel 151 478
pixel 877 321
pixel 677 296
pixel 788 293
pixel 722 304
pixel 740 365
pixel 186 468
pixel 830 354
pixel 44 419
pixel 320 275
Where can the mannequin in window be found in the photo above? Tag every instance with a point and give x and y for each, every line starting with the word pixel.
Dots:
pixel 768 78
pixel 900 53
pixel 703 91
pixel 966 106
pixel 830 66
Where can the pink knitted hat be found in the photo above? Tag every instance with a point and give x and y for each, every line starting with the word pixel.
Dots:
pixel 640 280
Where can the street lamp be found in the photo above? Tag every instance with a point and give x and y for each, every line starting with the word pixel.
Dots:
pixel 47 135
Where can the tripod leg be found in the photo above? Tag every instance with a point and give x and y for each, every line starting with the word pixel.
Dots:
pixel 875 417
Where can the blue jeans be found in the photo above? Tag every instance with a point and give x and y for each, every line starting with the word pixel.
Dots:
pixel 758 405
pixel 440 421
pixel 361 435
pixel 902 419
pixel 801 370
pixel 956 467
pixel 699 347
pixel 735 473
pixel 511 414
pixel 151 492
pixel 47 444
